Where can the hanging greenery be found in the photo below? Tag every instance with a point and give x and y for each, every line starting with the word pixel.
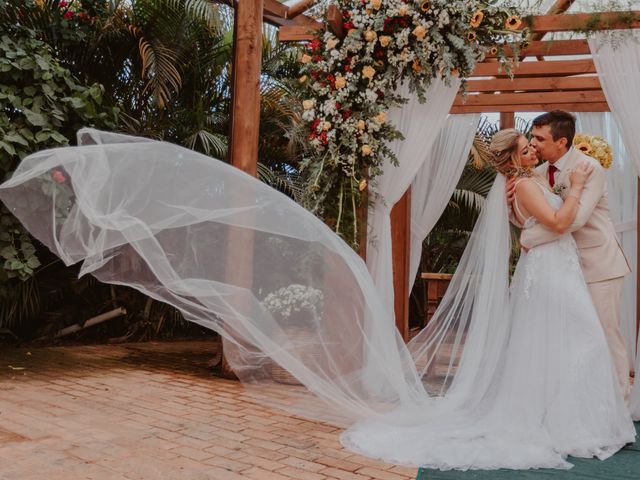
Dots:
pixel 350 84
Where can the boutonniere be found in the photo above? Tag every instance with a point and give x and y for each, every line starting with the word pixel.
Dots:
pixel 559 188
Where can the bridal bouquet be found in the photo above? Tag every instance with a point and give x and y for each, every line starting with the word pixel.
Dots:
pixel 594 146
pixel 286 302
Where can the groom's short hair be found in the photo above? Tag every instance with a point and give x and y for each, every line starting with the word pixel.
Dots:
pixel 561 123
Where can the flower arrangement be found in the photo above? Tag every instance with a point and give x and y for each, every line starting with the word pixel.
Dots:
pixel 349 83
pixel 285 302
pixel 596 147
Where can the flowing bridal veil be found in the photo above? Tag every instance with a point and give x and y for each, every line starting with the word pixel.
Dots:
pixel 285 292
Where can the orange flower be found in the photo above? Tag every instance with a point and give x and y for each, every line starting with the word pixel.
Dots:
pixel 471 36
pixel 454 72
pixel 477 18
pixel 417 66
pixel 513 22
pixel 362 185
pixel 425 6
pixel 493 51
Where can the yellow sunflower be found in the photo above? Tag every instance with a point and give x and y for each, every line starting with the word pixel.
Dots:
pixel 477 18
pixel 425 6
pixel 493 51
pixel 584 147
pixel 471 36
pixel 513 22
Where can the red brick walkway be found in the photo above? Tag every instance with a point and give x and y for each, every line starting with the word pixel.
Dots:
pixel 154 411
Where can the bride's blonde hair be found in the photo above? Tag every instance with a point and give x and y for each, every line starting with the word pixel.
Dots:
pixel 506 157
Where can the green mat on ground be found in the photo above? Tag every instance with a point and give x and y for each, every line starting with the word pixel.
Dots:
pixel 624 465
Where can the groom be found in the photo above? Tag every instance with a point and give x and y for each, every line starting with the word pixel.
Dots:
pixel 603 263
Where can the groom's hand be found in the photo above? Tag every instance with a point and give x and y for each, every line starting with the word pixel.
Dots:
pixel 510 189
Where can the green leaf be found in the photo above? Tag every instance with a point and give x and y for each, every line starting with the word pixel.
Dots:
pixel 16 138
pixel 27 249
pixel 33 262
pixel 8 252
pixel 35 119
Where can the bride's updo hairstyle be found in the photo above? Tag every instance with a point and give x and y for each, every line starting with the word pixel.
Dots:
pixel 504 152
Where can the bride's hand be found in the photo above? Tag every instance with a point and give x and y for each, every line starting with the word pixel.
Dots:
pixel 581 174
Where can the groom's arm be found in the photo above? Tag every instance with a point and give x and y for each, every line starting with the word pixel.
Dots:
pixel 593 191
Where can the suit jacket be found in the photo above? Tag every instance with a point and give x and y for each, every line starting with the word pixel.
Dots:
pixel 600 253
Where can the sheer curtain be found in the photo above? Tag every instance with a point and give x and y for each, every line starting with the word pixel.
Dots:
pixel 420 124
pixel 617 59
pixel 437 178
pixel 622 187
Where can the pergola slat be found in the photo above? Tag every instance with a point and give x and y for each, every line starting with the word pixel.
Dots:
pixel 589 96
pixel 552 48
pixel 546 68
pixel 534 107
pixel 583 21
pixel 534 84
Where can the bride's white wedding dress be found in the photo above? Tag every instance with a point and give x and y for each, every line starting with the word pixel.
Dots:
pixel 495 380
pixel 556 393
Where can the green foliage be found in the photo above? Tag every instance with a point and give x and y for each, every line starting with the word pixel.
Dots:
pixel 41 106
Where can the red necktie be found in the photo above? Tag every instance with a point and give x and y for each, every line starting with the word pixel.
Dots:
pixel 552 178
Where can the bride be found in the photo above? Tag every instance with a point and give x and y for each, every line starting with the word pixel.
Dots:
pixel 502 377
pixel 555 388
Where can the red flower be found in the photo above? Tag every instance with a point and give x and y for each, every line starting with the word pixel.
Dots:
pixel 323 138
pixel 315 124
pixel 338 105
pixel 347 114
pixel 380 94
pixel 62 4
pixel 58 176
pixel 315 44
pixel 68 15
pixel 348 25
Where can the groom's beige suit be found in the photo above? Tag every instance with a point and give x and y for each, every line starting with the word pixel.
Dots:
pixel 603 262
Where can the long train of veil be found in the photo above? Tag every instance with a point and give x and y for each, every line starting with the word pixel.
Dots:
pixel 284 291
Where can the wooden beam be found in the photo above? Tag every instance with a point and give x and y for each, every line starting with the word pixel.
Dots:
pixel 334 20
pixel 583 21
pixel 537 107
pixel 300 7
pixel 298 33
pixel 400 239
pixel 534 84
pixel 551 48
pixel 559 67
pixel 273 7
pixel 507 120
pixel 560 6
pixel 589 96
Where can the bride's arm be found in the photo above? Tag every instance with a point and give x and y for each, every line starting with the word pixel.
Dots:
pixel 533 200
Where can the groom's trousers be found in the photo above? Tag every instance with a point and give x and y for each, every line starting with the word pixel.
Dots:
pixel 606 296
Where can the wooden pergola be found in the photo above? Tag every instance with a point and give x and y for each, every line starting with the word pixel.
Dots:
pixel 541 82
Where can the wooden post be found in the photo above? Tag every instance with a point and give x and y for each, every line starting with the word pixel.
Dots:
pixel 401 242
pixel 245 90
pixel 245 128
pixel 637 272
pixel 507 120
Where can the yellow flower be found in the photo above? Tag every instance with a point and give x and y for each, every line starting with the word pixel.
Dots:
pixel 376 4
pixel 471 36
pixel 493 51
pixel 370 36
pixel 326 126
pixel 305 58
pixel 425 6
pixel 419 32
pixel 331 43
pixel 384 40
pixel 584 147
pixel 302 79
pixel 362 185
pixel 366 150
pixel 361 125
pixel 341 82
pixel 403 11
pixel 308 104
pixel 417 66
pixel 381 117
pixel 368 72
pixel 379 63
pixel 513 22
pixel 477 18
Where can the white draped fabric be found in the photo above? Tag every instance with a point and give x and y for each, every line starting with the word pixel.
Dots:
pixel 618 66
pixel 436 180
pixel 420 124
pixel 622 187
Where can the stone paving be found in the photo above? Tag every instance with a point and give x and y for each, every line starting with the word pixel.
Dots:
pixel 151 411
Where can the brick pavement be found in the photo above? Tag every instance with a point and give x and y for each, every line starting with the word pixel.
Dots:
pixel 154 411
